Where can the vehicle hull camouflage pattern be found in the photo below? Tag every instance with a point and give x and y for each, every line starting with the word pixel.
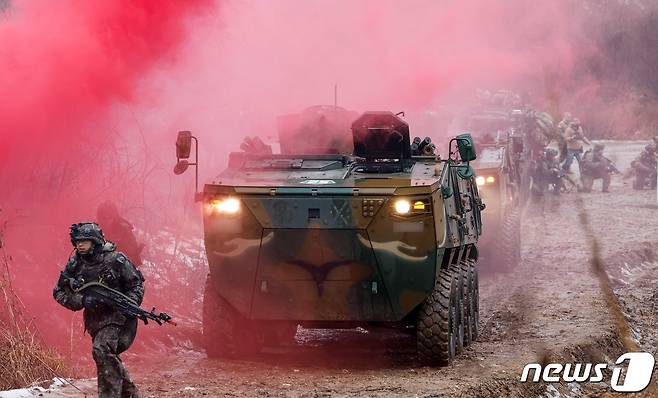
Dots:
pixel 334 253
pixel 338 240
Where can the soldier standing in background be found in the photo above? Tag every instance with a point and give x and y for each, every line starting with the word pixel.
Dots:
pixel 559 137
pixel 575 139
pixel 112 332
pixel 119 231
pixel 564 123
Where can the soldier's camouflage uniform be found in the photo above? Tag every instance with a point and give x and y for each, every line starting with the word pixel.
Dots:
pixel 545 173
pixel 645 167
pixel 111 332
pixel 595 166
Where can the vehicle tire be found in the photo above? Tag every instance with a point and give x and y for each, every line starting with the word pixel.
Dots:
pixel 471 302
pixel 461 308
pixel 510 247
pixel 475 303
pixel 225 333
pixel 437 326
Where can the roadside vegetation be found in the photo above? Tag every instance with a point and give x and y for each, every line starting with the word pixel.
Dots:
pixel 23 359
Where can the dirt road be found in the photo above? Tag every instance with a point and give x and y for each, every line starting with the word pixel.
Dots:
pixel 552 308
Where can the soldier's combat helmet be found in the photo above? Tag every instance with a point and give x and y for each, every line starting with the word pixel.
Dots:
pixel 599 147
pixel 550 153
pixel 87 231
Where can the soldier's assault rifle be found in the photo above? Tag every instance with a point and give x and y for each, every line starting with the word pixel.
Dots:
pixel 611 165
pixel 123 303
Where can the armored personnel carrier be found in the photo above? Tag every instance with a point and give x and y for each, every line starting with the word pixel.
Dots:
pixel 376 237
pixel 507 140
pixel 500 178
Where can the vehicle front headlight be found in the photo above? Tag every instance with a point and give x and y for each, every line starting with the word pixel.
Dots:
pixel 226 206
pixel 482 180
pixel 402 206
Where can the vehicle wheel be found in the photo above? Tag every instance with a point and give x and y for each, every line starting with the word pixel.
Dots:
pixel 225 333
pixel 471 310
pixel 438 326
pixel 510 248
pixel 475 303
pixel 461 307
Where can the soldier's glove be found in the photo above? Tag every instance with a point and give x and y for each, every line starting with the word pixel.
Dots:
pixel 91 302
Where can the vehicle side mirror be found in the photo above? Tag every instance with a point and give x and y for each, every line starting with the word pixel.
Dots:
pixel 465 172
pixel 181 166
pixel 466 147
pixel 183 145
pixel 183 150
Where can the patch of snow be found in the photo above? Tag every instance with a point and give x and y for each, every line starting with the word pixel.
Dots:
pixel 22 392
pixel 34 391
pixel 552 392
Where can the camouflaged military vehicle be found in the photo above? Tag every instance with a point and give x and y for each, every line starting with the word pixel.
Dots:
pixel 499 179
pixel 376 237
pixel 507 140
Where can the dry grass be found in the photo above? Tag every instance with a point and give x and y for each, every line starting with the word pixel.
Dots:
pixel 23 359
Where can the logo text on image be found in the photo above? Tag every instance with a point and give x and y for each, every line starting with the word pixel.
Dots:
pixel 637 375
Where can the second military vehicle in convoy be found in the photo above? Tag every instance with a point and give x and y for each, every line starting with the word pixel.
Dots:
pixel 508 136
pixel 375 237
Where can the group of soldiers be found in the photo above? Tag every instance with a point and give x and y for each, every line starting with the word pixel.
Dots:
pixel 549 173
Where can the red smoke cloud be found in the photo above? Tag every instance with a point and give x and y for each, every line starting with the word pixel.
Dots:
pixel 65 65
pixel 263 59
pixel 70 66
pixel 64 62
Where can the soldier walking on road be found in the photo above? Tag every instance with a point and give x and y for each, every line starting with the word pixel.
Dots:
pixel 96 260
pixel 575 138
